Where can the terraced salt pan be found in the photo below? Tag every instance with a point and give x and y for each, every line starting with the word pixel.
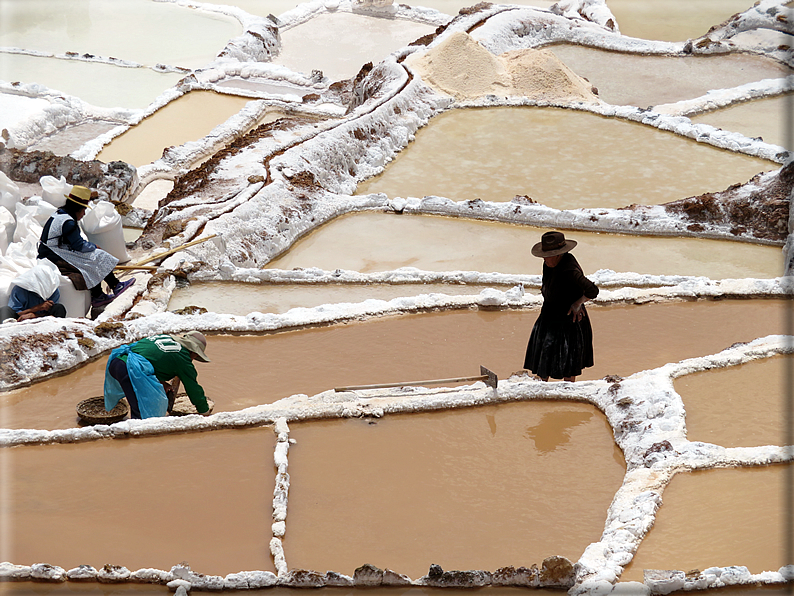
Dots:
pixel 134 30
pixel 131 589
pixel 265 7
pixel 451 7
pixel 718 518
pixel 642 81
pixel 765 118
pixel 672 20
pixel 379 242
pixel 448 480
pixel 241 299
pixel 356 39
pixel 68 139
pixel 416 347
pixel 188 118
pixel 154 502
pixel 121 88
pixel 741 406
pixel 497 153
pixel 152 194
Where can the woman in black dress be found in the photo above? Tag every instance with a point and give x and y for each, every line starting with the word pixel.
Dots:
pixel 561 343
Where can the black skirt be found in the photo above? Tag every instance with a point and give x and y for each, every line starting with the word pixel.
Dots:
pixel 558 347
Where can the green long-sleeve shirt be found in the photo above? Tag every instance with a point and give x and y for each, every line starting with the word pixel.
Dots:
pixel 170 360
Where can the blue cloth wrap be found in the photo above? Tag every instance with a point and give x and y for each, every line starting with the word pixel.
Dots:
pixel 152 401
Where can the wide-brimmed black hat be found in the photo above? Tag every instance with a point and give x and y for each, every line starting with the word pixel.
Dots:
pixel 552 244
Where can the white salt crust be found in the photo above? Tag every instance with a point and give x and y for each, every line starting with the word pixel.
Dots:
pixel 335 153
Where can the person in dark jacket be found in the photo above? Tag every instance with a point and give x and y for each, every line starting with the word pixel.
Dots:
pixel 561 342
pixel 85 264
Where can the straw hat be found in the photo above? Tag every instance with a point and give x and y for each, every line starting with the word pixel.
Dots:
pixel 80 195
pixel 193 341
pixel 552 244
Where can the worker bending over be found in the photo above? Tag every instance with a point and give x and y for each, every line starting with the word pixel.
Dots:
pixel 141 372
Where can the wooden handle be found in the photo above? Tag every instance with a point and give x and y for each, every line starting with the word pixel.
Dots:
pixel 134 267
pixel 173 250
pixel 411 383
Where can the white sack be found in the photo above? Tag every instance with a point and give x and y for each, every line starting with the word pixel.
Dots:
pixel 43 209
pixel 103 217
pixel 42 279
pixel 102 225
pixel 27 225
pixel 7 226
pixel 54 191
pixel 19 257
pixel 9 192
pixel 6 277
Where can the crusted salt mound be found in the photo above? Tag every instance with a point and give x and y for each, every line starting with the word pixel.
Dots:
pixel 461 67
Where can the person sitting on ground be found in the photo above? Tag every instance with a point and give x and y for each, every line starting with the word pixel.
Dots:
pixel 141 372
pixel 26 301
pixel 62 244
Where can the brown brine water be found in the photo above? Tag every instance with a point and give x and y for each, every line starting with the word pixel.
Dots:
pixel 642 81
pixel 765 118
pixel 188 118
pixel 369 242
pixel 672 20
pixel 478 488
pixel 204 498
pixel 495 154
pixel 356 39
pixel 740 406
pixel 248 370
pixel 718 518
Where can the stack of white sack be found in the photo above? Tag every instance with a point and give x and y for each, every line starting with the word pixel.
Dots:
pixel 102 226
pixel 21 224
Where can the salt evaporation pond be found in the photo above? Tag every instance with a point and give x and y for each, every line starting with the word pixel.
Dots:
pixel 66 140
pixel 121 88
pixel 371 241
pixel 410 490
pixel 415 347
pixel 356 39
pixel 203 502
pixel 718 517
pixel 765 118
pixel 243 298
pixel 187 118
pixel 140 31
pixel 739 406
pixel 642 81
pixel 672 20
pixel 495 154
pixel 628 338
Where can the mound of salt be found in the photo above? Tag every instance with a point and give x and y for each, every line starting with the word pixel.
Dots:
pixel 461 67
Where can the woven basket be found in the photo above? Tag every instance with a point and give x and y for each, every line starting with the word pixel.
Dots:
pixel 92 411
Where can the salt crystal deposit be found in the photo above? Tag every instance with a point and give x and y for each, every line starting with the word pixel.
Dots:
pixel 259 191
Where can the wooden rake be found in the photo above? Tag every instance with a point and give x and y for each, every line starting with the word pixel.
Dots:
pixel 487 376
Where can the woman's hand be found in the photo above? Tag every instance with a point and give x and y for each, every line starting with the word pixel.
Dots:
pixel 576 310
